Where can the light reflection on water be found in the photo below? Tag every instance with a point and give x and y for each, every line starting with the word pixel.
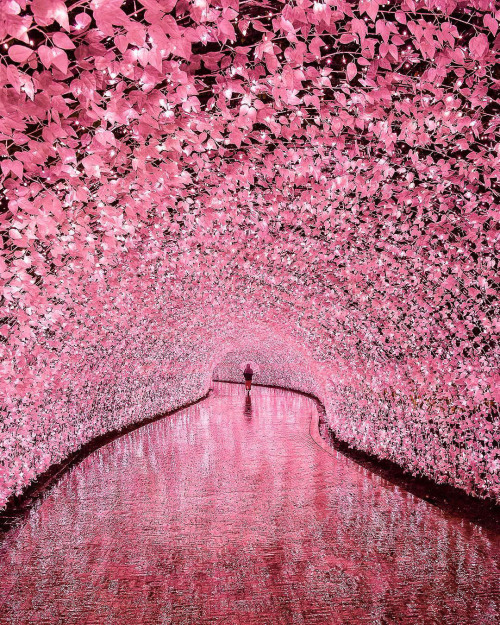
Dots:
pixel 227 512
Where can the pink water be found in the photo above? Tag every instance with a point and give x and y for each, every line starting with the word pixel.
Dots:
pixel 228 512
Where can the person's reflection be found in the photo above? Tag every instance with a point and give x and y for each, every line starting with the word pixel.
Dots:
pixel 247 411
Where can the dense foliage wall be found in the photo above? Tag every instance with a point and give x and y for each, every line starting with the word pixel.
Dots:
pixel 181 180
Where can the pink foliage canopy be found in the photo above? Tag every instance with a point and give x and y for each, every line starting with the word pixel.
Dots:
pixel 177 174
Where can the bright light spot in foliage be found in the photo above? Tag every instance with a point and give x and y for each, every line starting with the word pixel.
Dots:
pixel 176 189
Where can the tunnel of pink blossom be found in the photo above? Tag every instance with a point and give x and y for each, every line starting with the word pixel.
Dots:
pixel 312 186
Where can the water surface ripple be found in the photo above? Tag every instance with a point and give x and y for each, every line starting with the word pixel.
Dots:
pixel 228 512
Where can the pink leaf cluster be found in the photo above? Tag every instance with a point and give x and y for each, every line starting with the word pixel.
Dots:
pixel 317 180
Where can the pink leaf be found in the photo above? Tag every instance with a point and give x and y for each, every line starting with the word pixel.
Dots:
pixel 48 11
pixel 370 7
pixel 82 20
pixel 45 54
pixel 400 17
pixel 351 71
pixel 17 168
pixel 315 46
pixel 20 54
pixel 478 46
pixel 226 30
pixel 491 23
pixel 60 60
pixel 62 40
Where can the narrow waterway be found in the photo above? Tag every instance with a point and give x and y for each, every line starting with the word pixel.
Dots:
pixel 229 512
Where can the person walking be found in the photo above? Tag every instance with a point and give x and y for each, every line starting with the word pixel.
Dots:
pixel 248 374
